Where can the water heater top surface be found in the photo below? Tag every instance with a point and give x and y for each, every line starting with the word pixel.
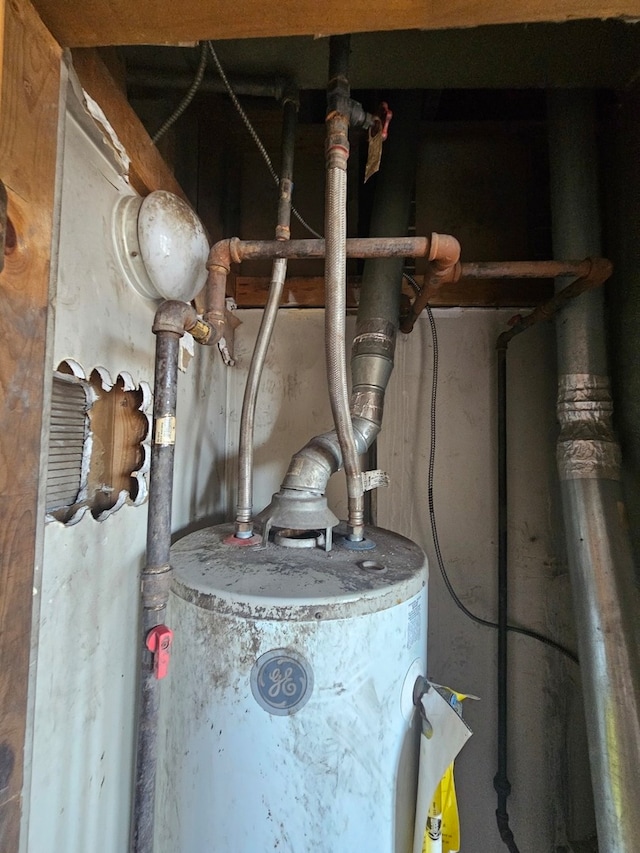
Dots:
pixel 280 582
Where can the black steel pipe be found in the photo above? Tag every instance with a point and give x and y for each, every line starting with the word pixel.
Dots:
pixel 156 576
pixel 258 87
pixel 501 779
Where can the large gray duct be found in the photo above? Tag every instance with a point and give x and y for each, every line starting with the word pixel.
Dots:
pixel 599 552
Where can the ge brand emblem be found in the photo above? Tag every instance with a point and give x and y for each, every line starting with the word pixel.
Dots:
pixel 281 682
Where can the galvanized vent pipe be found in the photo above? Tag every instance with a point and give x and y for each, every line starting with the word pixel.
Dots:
pixel 599 551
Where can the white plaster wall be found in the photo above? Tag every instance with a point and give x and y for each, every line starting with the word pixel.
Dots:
pixel 293 406
pixel 87 597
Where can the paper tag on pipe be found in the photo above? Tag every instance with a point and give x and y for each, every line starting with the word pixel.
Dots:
pixel 374 479
pixel 374 152
pixel 165 431
pixel 448 734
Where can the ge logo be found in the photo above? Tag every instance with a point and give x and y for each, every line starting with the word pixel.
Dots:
pixel 281 681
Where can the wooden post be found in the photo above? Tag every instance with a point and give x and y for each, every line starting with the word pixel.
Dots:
pixel 29 102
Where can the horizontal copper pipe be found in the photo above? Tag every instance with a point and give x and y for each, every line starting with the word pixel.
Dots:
pixel 589 273
pixel 598 271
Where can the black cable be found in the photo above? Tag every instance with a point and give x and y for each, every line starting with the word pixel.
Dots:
pixel 253 133
pixel 514 629
pixel 190 95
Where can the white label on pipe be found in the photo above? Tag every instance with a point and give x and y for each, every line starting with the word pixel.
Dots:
pixel 165 431
pixel 374 479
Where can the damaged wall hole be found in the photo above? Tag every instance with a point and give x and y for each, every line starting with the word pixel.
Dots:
pixel 98 443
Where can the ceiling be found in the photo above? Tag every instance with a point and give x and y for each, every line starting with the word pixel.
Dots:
pixel 94 23
pixel 601 54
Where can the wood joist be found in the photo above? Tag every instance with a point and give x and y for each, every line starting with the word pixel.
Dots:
pixel 109 22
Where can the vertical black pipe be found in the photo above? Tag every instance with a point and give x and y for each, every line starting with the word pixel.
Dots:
pixel 155 582
pixel 339 50
pixel 501 780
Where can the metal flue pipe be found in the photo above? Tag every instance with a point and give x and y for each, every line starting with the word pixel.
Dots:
pixel 599 551
pixel 244 524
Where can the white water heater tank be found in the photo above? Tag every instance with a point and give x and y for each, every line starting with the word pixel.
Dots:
pixel 287 717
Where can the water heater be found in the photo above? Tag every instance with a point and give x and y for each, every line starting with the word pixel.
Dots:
pixel 287 718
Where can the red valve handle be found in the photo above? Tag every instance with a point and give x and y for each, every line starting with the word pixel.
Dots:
pixel 158 642
pixel 384 115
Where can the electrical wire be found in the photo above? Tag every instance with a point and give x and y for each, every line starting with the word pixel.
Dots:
pixel 184 103
pixel 254 135
pixel 514 629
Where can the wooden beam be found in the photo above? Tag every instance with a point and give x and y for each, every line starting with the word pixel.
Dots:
pixel 108 22
pixel 28 139
pixel 308 292
pixel 148 171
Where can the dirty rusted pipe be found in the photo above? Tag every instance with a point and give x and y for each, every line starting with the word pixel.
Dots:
pixel 444 267
pixel 171 321
pixel 233 250
pixel 525 269
pixel 590 272
pixel 598 271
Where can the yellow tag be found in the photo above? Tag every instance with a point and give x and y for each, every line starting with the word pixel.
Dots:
pixel 443 824
pixel 165 431
pixel 374 155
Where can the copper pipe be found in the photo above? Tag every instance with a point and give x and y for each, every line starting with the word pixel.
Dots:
pixel 590 272
pixel 215 300
pixel 444 267
pixel 599 270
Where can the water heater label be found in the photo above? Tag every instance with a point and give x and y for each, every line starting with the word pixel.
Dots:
pixel 414 623
pixel 281 681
